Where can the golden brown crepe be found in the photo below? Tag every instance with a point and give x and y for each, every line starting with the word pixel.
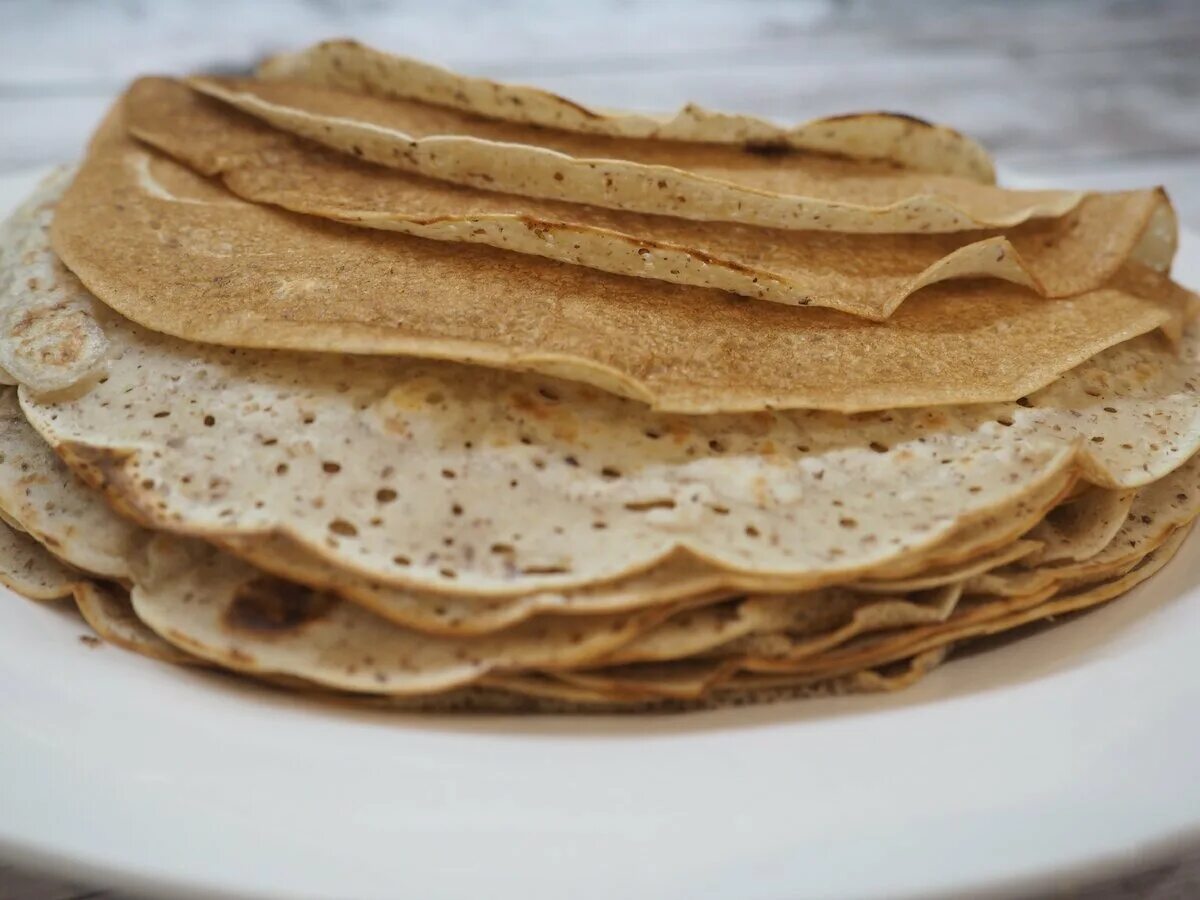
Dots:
pixel 170 251
pixel 900 139
pixel 864 274
pixel 791 190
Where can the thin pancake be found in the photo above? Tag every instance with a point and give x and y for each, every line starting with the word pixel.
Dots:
pixel 210 605
pixel 699 631
pixel 48 339
pixel 39 492
pixel 1157 511
pixel 867 275
pixel 898 138
pixel 66 514
pixel 808 639
pixel 107 609
pixel 995 531
pixel 482 482
pixel 959 571
pixel 137 229
pixel 714 682
pixel 1080 529
pixel 981 620
pixel 30 570
pixel 984 617
pixel 794 190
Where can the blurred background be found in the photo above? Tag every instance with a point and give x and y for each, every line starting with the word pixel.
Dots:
pixel 1084 93
pixel 1090 93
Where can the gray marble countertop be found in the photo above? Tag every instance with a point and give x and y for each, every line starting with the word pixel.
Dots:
pixel 1099 94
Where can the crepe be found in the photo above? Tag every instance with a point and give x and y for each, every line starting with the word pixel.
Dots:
pixel 916 650
pixel 483 482
pixel 792 643
pixel 226 612
pixel 974 615
pixel 938 576
pixel 698 631
pixel 137 229
pixel 679 691
pixel 900 139
pixel 41 494
pixel 711 684
pixel 48 339
pixel 30 570
pixel 700 685
pixel 259 607
pixel 675 578
pixel 72 518
pixel 653 482
pixel 223 612
pixel 1153 534
pixel 709 182
pixel 107 609
pixel 977 621
pixel 1081 529
pixel 1157 512
pixel 868 275
pixel 264 609
pixel 722 488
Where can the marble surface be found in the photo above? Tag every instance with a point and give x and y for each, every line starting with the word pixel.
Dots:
pixel 1089 94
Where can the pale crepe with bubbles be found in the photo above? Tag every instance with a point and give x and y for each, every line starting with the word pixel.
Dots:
pixel 191 603
pixel 39 495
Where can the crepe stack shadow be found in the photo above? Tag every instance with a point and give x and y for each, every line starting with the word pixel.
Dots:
pixel 371 381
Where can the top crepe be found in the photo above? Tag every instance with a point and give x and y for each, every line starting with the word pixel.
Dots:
pixel 793 190
pixel 863 274
pixel 169 250
pixel 901 139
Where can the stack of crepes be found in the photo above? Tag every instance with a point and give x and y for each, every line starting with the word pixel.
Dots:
pixel 368 379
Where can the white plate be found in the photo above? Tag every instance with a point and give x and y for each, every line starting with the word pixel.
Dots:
pixel 1063 756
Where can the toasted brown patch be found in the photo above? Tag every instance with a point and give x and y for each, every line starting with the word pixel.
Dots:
pixel 269 606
